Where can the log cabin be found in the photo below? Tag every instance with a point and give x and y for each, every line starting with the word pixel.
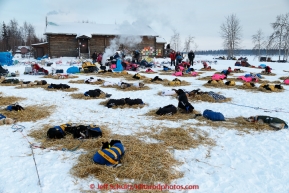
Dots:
pixel 82 39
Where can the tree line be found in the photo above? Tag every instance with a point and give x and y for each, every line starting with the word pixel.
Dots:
pixel 277 42
pixel 278 39
pixel 240 52
pixel 14 35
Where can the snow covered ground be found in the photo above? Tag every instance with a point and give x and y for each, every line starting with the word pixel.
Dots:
pixel 256 162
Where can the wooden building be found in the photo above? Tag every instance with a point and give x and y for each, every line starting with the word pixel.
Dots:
pixel 40 49
pixel 82 39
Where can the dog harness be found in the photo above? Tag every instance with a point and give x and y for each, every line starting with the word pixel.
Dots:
pixel 109 159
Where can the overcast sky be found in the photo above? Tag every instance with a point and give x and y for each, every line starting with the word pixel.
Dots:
pixel 199 18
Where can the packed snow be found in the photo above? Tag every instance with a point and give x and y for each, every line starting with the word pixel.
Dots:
pixel 255 162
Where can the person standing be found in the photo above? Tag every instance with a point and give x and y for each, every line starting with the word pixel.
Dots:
pixel 191 56
pixel 99 58
pixel 94 57
pixel 173 58
pixel 179 58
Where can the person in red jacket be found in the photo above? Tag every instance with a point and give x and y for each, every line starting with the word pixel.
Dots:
pixel 173 58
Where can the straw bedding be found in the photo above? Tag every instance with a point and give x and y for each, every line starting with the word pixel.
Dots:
pixel 114 75
pixel 284 77
pixel 8 100
pixel 9 84
pixel 31 113
pixel 165 82
pixel 142 162
pixel 82 96
pixel 167 72
pixel 238 123
pixel 64 90
pixel 33 86
pixel 178 116
pixel 219 84
pixel 131 88
pixel 59 76
pixel 82 82
pixel 68 142
pixel 123 106
pixel 207 98
pixel 148 81
pixel 266 74
pixel 181 138
pixel 203 69
pixel 130 77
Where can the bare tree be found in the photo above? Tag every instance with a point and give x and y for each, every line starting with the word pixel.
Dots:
pixel 196 46
pixel 258 41
pixel 231 33
pixel 175 41
pixel 280 27
pixel 286 44
pixel 188 42
pixel 24 32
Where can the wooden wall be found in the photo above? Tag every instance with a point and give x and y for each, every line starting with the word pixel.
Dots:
pixel 67 45
pixel 62 45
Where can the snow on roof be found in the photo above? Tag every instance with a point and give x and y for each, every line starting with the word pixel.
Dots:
pixel 27 47
pixel 160 40
pixel 89 29
pixel 39 44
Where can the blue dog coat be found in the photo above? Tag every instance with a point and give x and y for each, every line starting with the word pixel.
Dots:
pixel 109 156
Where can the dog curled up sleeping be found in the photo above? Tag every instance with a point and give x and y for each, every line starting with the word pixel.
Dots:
pixel 14 107
pixel 5 121
pixel 78 131
pixel 110 153
pixel 183 101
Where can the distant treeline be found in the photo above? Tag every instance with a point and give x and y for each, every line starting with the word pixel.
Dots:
pixel 238 52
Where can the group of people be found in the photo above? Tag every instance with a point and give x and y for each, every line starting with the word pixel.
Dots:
pixel 177 57
pixel 97 57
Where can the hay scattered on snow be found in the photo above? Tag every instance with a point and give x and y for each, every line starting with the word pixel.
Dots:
pixel 266 74
pixel 64 90
pixel 148 81
pixel 178 116
pixel 59 76
pixel 31 113
pixel 238 123
pixel 147 72
pixel 207 98
pixel 82 96
pixel 204 69
pixel 220 84
pixel 130 78
pixel 68 142
pixel 165 82
pixel 180 138
pixel 123 106
pixel 131 88
pixel 167 72
pixel 114 74
pixel 142 162
pixel 270 91
pixel 9 84
pixel 77 81
pixel 82 82
pixel 8 100
pixel 284 77
pixel 33 86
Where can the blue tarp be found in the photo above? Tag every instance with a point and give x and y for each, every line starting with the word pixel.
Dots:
pixel 6 59
pixel 73 70
pixel 119 67
pixel 262 66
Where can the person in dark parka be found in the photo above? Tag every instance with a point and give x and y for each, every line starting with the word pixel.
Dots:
pixel 191 56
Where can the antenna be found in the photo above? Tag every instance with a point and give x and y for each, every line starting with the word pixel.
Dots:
pixel 46 21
